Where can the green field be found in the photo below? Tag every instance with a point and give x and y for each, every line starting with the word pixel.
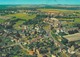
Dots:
pixel 22 16
pixel 58 10
pixel 16 26
pixel 77 20
pixel 2 20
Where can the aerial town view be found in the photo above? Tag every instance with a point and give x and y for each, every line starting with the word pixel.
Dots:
pixel 39 28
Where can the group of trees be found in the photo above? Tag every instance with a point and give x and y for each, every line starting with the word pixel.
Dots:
pixel 36 20
pixel 73 31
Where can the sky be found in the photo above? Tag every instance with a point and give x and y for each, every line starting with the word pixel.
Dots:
pixel 74 2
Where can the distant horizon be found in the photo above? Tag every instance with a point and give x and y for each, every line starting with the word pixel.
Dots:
pixel 38 2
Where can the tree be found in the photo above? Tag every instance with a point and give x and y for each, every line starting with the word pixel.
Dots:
pixel 43 51
pixel 64 41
